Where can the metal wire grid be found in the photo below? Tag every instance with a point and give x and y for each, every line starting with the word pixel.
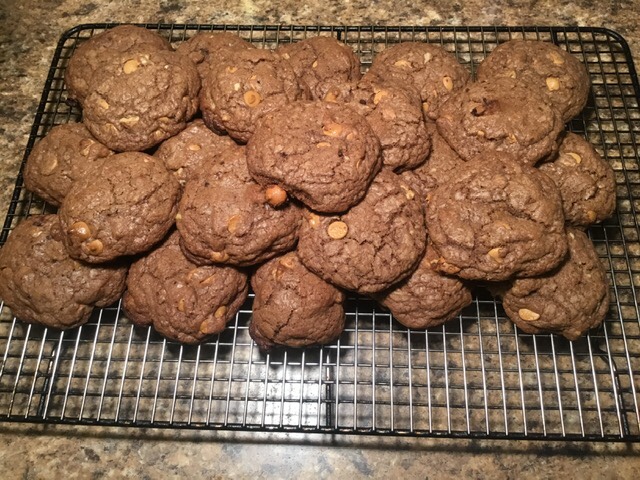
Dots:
pixel 477 376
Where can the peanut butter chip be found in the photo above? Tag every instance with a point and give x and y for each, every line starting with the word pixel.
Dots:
pixel 576 157
pixel 332 129
pixel 402 64
pixel 102 103
pixel 86 146
pixel 511 74
pixel 236 86
pixel 275 195
pixel 496 254
pixel 425 106
pixel 553 84
pixel 178 216
pixel 194 147
pixel 331 97
pixel 314 220
pixel 380 94
pixel 130 66
pixel 427 57
pixel 528 315
pixel 80 230
pixel 130 120
pixel 252 98
pixel 592 216
pixel 447 82
pixel 232 224
pixel 408 192
pixel 314 64
pixel 181 305
pixel 337 230
pixel 556 58
pixel 287 262
pixel 231 69
pixel 323 144
pixel 512 138
pixel 50 165
pixel 95 247
pixel 219 256
pixel 221 311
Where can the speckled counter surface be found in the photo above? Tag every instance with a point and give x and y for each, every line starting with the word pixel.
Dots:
pixel 28 36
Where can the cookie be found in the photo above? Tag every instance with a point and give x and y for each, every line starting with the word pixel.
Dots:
pixel 321 62
pixel 427 298
pixel 102 56
pixel 557 74
pixel 67 153
pixel 192 150
pixel 433 71
pixel 240 90
pixel 395 116
pixel 375 244
pixel 586 182
pixel 500 115
pixel 184 302
pixel 127 212
pixel 568 301
pixel 496 219
pixel 206 49
pixel 293 307
pixel 42 284
pixel 323 154
pixel 226 217
pixel 152 99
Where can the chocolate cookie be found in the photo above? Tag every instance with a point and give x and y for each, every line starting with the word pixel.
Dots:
pixel 128 211
pixel 240 90
pixel 427 298
pixel 495 219
pixel 209 48
pixel 372 246
pixel 568 301
pixel 557 74
pixel 586 182
pixel 184 302
pixel 321 62
pixel 42 284
pixel 192 150
pixel 102 56
pixel 152 99
pixel 501 115
pixel 65 154
pixel 293 307
pixel 433 71
pixel 323 154
pixel 226 217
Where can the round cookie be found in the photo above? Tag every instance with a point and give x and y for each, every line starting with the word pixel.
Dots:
pixel 42 284
pixel 321 62
pixel 427 298
pixel 375 244
pixel 501 115
pixel 560 76
pixel 568 301
pixel 152 99
pixel 206 49
pixel 294 307
pixel 433 71
pixel 128 211
pixel 226 217
pixel 496 219
pixel 67 153
pixel 241 89
pixel 101 56
pixel 586 182
pixel 184 302
pixel 192 150
pixel 323 154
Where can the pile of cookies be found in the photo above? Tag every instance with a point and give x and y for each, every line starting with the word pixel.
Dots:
pixel 199 170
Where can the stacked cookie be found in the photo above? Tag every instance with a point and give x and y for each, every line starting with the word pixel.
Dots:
pixel 410 184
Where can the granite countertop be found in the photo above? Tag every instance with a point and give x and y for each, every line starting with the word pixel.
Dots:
pixel 28 36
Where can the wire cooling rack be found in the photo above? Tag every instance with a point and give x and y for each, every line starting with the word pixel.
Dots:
pixel 478 376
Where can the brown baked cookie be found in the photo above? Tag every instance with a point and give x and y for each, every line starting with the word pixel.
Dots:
pixel 321 62
pixel 500 115
pixel 152 99
pixel 433 71
pixel 560 76
pixel 192 150
pixel 101 57
pixel 427 298
pixel 395 116
pixel 209 48
pixel 496 219
pixel 294 307
pixel 240 90
pixel 568 301
pixel 65 154
pixel 323 154
pixel 128 211
pixel 586 182
pixel 42 284
pixel 226 217
pixel 184 302
pixel 372 246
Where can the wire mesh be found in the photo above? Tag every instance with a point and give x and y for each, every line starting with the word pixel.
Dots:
pixel 477 376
